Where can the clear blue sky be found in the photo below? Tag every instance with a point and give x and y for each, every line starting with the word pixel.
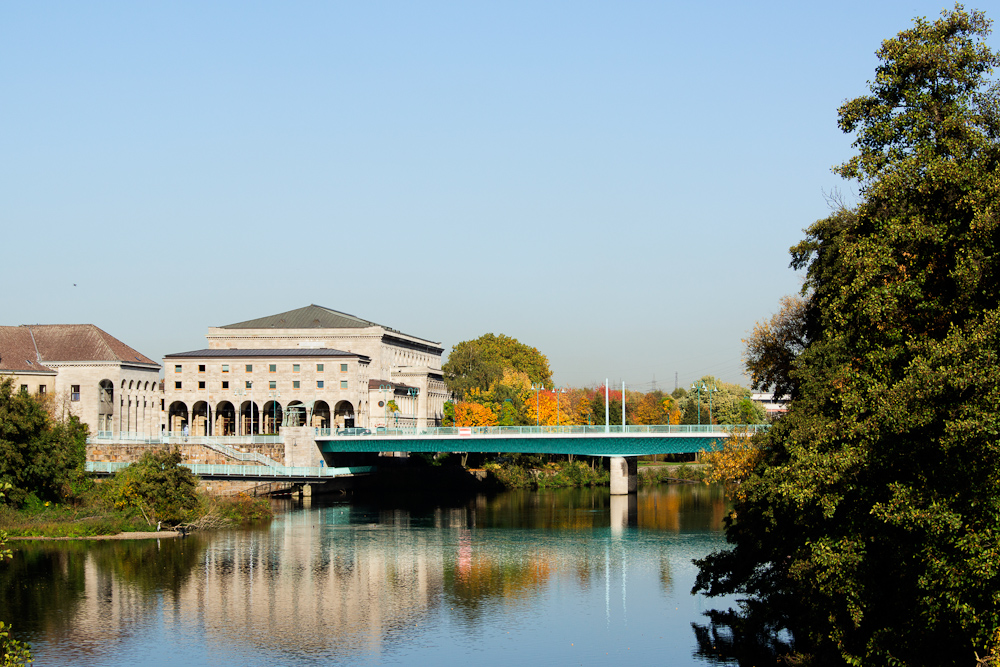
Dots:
pixel 615 183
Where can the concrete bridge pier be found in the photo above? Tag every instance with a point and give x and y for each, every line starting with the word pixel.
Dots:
pixel 624 475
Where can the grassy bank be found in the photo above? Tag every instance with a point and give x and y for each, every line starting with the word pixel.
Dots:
pixel 92 517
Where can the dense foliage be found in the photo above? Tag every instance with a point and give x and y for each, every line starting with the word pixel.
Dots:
pixel 157 486
pixel 870 526
pixel 481 364
pixel 38 455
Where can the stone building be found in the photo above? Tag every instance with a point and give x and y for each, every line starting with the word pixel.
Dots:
pixel 312 366
pixel 88 373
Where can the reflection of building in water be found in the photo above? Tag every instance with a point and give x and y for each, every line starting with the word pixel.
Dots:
pixel 306 587
pixel 346 581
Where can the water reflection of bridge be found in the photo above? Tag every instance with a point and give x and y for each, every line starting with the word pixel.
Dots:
pixel 352 582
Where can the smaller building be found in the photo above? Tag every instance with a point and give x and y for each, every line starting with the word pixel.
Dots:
pixel 85 372
pixel 773 406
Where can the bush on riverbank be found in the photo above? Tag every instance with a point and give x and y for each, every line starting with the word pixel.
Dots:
pixel 689 472
pixel 562 474
pixel 156 486
pixel 153 492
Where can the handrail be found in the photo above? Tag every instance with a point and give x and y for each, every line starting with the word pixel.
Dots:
pixel 110 467
pixel 240 456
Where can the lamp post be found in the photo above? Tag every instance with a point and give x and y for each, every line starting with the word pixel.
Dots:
pixel 412 393
pixel 700 385
pixel 537 388
pixel 385 388
pixel 558 390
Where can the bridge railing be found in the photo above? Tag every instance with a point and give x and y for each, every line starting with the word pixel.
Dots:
pixel 437 431
pixel 241 471
pixel 178 438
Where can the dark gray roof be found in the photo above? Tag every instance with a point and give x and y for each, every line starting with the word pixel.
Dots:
pixel 228 353
pixel 375 384
pixel 310 317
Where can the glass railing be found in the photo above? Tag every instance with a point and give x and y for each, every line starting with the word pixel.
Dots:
pixel 244 471
pixel 576 430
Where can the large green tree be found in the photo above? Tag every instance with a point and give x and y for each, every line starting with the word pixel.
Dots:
pixel 37 454
pixel 480 363
pixel 871 527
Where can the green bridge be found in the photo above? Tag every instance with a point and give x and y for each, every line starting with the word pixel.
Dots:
pixel 609 441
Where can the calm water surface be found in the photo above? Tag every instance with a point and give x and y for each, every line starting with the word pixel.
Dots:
pixel 563 577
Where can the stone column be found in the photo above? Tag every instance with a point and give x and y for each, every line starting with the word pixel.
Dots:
pixel 624 475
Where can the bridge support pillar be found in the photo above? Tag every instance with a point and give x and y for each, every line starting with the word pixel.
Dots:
pixel 624 512
pixel 624 475
pixel 306 490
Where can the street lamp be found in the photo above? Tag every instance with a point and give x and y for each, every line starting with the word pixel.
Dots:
pixel 412 393
pixel 560 390
pixel 708 390
pixel 537 388
pixel 385 388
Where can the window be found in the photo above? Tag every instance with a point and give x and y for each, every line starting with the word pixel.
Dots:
pixel 41 389
pixel 177 368
pixel 295 384
pixel 273 368
pixel 225 368
pixel 273 384
pixel 24 389
pixel 162 403
pixel 201 368
pixel 319 384
pixel 177 385
pixel 249 384
pixel 319 368
pixel 74 392
pixel 249 368
pixel 343 384
pixel 201 384
pixel 225 384
pixel 295 368
pixel 343 368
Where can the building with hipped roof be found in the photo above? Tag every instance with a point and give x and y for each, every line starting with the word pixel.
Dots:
pixel 312 366
pixel 86 372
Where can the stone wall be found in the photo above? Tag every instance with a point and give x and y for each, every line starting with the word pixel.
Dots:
pixel 190 453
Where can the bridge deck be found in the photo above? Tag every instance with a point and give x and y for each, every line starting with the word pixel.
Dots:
pixel 579 440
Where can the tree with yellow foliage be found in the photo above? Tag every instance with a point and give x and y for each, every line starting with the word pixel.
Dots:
pixel 474 414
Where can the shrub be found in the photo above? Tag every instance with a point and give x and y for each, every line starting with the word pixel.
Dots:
pixel 157 486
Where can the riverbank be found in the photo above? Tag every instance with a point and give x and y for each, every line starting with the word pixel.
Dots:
pixel 146 535
pixel 93 519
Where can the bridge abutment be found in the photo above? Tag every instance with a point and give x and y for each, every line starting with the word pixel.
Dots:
pixel 624 475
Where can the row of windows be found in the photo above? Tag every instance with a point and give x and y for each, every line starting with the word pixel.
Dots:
pixel 271 368
pixel 248 384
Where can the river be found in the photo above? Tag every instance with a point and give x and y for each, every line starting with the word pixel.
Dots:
pixel 569 576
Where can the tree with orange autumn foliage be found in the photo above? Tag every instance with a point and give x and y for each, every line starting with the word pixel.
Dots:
pixel 474 414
